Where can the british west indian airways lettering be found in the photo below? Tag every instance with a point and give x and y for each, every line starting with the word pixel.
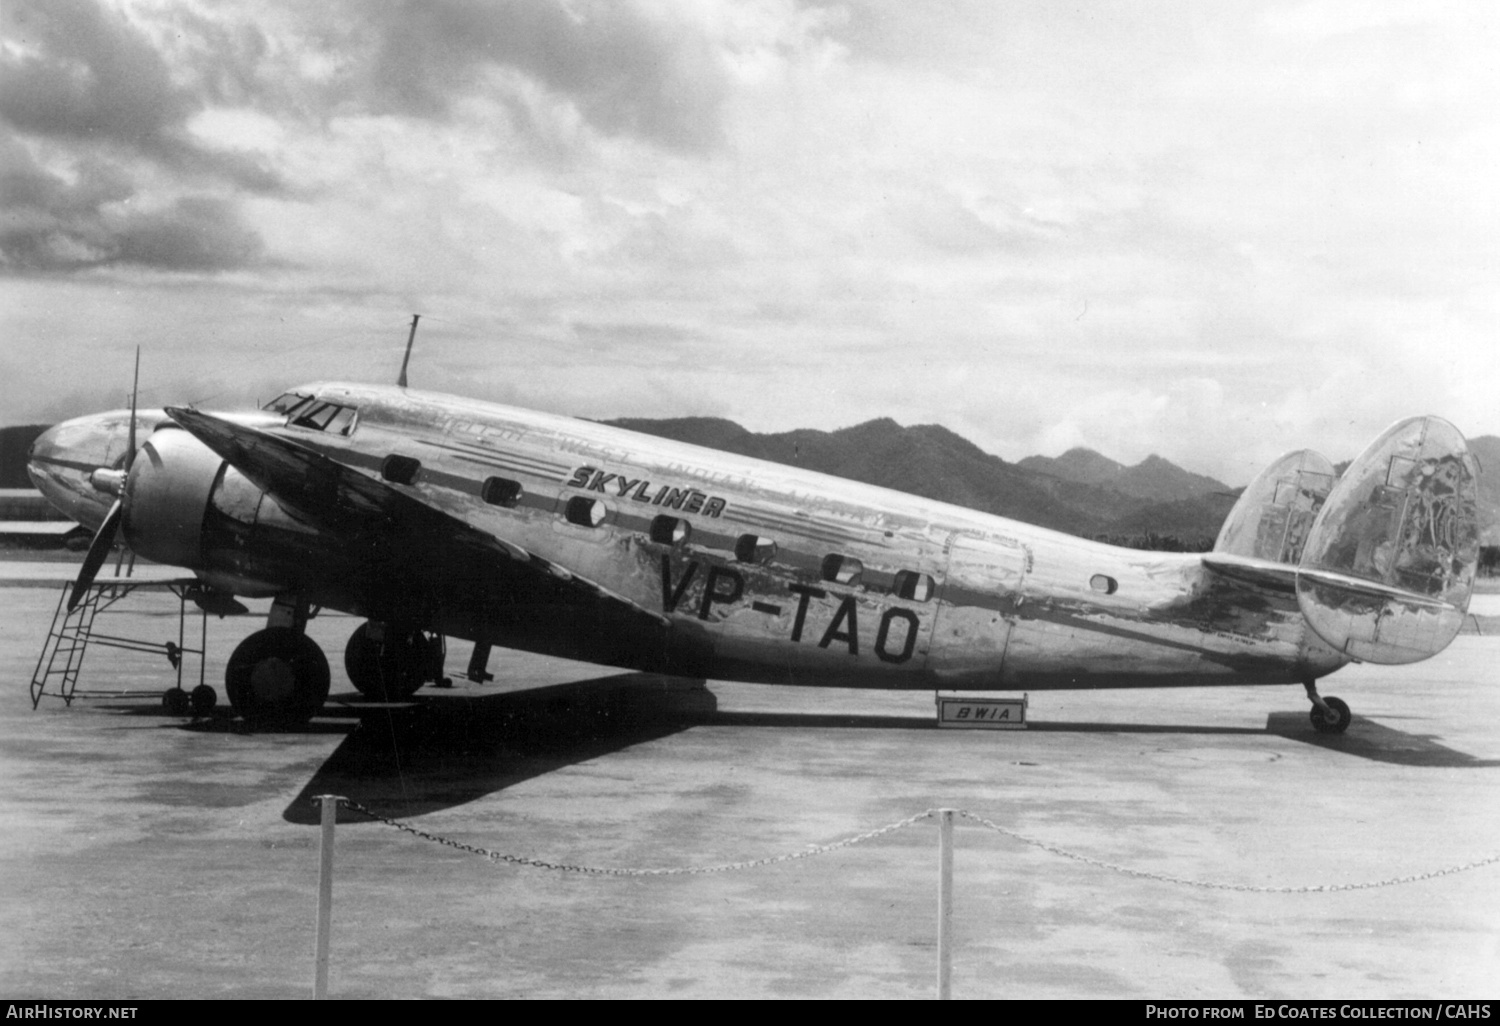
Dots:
pixel 711 589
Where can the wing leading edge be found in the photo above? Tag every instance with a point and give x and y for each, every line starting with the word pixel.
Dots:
pixel 327 494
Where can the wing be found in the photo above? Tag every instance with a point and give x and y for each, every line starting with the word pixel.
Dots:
pixel 320 491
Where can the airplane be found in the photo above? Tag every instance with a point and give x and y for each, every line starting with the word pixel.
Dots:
pixel 432 516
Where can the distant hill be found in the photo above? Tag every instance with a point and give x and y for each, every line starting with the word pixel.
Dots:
pixel 15 442
pixel 1153 479
pixel 925 460
pixel 1080 492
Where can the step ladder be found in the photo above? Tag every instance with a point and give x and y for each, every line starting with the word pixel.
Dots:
pixel 60 665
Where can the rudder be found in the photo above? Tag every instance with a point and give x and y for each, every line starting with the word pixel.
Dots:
pixel 1389 563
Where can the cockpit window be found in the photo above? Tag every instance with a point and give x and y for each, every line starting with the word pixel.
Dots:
pixel 287 402
pixel 329 417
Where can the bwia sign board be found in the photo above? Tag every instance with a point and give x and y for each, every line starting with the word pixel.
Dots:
pixel 982 713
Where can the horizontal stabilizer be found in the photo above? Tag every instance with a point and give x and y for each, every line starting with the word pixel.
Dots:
pixel 1262 573
pixel 1274 514
pixel 1389 563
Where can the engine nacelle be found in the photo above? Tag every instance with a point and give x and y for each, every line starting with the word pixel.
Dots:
pixel 166 497
pixel 187 507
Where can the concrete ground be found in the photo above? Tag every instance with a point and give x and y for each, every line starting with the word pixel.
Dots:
pixel 144 856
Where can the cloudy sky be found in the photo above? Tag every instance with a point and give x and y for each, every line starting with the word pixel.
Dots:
pixel 1211 231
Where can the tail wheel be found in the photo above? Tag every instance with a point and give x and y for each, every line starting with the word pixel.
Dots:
pixel 277 676
pixel 1337 722
pixel 389 670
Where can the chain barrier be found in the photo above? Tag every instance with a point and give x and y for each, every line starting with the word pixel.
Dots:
pixel 1211 885
pixel 524 860
pixel 849 842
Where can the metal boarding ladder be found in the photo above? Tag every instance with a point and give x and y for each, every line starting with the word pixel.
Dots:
pixel 61 663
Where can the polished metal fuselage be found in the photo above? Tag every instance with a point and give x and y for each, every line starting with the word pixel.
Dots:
pixel 1012 606
pixel 785 575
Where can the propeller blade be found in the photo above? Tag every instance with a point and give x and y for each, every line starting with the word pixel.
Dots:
pixel 98 553
pixel 135 388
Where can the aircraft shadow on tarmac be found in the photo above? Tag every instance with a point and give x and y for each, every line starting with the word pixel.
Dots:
pixel 439 751
pixel 406 759
pixel 1369 739
pixel 1366 738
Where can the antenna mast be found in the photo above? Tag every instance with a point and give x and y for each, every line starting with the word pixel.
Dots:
pixel 401 381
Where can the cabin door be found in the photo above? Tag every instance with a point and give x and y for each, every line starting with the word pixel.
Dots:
pixel 976 608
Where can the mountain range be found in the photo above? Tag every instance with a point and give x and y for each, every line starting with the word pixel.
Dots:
pixel 1081 492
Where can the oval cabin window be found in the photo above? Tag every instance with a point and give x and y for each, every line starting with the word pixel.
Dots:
pixel 585 512
pixel 667 530
pixel 500 491
pixel 914 586
pixel 752 548
pixel 1106 584
pixel 400 469
pixel 842 569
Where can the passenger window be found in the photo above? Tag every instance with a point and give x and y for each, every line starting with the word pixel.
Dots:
pixel 842 569
pixel 667 530
pixel 585 512
pixel 1106 584
pixel 500 491
pixel 400 469
pixel 752 548
pixel 914 586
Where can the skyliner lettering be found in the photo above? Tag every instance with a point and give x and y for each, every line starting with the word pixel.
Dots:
pixel 688 500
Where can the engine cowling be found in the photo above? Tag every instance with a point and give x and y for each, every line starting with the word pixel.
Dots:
pixel 166 497
pixel 185 506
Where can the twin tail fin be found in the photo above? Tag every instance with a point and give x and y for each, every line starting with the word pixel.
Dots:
pixel 1389 563
pixel 1383 558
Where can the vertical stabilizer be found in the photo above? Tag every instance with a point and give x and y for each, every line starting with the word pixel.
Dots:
pixel 1389 564
pixel 1273 516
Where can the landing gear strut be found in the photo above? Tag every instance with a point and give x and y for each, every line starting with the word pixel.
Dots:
pixel 1329 715
pixel 388 663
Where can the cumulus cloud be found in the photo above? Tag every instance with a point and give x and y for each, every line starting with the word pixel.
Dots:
pixel 80 75
pixel 626 71
pixel 1037 223
pixel 99 167
pixel 52 223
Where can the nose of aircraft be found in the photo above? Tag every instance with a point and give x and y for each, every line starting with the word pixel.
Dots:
pixel 63 460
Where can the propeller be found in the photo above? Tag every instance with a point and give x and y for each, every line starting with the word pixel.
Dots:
pixel 104 538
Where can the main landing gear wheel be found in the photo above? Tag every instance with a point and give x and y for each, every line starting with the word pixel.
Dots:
pixel 176 702
pixel 391 670
pixel 1335 720
pixel 278 677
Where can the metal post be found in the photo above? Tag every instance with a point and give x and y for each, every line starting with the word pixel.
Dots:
pixel 330 805
pixel 945 904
